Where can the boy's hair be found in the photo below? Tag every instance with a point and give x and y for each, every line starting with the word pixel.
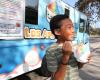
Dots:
pixel 55 22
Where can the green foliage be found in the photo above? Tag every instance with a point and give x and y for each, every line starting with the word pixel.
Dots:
pixel 90 7
pixel 95 31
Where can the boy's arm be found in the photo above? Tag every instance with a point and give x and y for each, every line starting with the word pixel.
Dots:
pixel 80 65
pixel 61 72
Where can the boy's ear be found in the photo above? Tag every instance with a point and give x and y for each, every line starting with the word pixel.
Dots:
pixel 57 31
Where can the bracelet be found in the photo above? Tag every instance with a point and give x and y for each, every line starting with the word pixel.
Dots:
pixel 64 63
pixel 68 52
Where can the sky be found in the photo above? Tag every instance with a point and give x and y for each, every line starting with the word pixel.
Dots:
pixel 70 2
pixel 98 24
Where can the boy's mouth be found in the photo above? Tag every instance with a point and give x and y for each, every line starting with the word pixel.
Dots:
pixel 72 37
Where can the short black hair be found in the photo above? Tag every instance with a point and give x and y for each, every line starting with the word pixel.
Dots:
pixel 55 22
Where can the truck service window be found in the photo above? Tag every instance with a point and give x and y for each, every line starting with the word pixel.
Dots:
pixel 31 11
pixel 67 12
pixel 82 25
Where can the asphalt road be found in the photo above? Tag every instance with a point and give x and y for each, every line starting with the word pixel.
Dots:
pixel 90 71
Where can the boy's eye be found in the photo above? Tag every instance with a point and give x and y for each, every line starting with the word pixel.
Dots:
pixel 69 26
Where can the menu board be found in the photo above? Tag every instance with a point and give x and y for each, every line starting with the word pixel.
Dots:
pixel 11 19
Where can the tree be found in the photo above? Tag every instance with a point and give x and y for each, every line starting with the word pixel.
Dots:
pixel 91 8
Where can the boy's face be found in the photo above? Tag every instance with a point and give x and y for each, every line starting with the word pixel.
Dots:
pixel 66 30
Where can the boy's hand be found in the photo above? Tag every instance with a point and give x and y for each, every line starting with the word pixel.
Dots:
pixel 89 58
pixel 67 48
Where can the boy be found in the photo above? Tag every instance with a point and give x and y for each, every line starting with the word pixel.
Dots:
pixel 59 56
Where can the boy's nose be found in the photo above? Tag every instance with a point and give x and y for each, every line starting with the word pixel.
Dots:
pixel 72 30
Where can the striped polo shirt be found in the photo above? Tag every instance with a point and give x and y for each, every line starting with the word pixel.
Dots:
pixel 53 59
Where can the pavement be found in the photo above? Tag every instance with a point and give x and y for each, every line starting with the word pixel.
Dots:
pixel 90 71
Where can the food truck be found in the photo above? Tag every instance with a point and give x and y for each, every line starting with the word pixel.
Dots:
pixel 25 33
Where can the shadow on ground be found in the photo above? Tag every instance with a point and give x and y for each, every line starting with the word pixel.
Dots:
pixel 22 77
pixel 84 76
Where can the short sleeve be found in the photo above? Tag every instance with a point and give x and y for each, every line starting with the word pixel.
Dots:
pixel 51 60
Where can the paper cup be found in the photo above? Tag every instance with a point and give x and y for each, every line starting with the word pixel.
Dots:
pixel 81 52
